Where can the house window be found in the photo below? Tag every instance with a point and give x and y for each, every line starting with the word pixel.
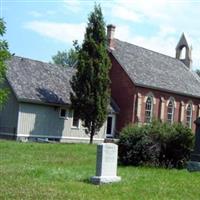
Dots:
pixel 170 112
pixel 189 116
pixel 63 113
pixel 76 121
pixel 148 109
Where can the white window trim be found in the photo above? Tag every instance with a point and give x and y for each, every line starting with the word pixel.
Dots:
pixel 66 114
pixel 150 94
pixel 191 113
pixel 173 100
pixel 190 103
pixel 173 110
pixel 152 106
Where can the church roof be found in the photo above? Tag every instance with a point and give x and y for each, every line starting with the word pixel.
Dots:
pixel 150 69
pixel 35 81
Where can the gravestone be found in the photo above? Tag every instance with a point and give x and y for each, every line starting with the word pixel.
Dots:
pixel 106 164
pixel 194 163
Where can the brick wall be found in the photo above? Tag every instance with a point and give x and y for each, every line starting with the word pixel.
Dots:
pixel 125 94
pixel 122 91
pixel 157 106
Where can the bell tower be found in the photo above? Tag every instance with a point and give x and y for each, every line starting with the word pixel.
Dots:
pixel 183 51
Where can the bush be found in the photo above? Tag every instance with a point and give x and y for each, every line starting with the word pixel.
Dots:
pixel 156 144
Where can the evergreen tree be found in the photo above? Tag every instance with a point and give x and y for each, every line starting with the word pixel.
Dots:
pixel 4 55
pixel 90 84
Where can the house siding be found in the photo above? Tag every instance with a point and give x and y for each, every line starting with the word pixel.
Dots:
pixel 44 121
pixel 9 114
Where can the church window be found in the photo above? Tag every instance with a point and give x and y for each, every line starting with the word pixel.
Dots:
pixel 189 115
pixel 170 112
pixel 148 109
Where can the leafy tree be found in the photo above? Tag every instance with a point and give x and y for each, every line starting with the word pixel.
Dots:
pixel 66 58
pixel 90 84
pixel 198 72
pixel 4 55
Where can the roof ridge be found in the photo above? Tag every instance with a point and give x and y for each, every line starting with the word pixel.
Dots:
pixel 43 62
pixel 149 50
pixel 183 65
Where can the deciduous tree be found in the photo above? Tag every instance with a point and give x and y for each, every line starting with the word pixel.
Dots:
pixel 66 58
pixel 4 55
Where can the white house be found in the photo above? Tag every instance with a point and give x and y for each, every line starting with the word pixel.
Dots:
pixel 39 104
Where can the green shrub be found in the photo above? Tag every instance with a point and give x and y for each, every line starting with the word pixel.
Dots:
pixel 176 146
pixel 156 144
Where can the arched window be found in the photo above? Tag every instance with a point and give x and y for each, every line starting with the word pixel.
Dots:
pixel 170 112
pixel 189 115
pixel 148 109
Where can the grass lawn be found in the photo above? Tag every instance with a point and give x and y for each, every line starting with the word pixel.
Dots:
pixel 61 171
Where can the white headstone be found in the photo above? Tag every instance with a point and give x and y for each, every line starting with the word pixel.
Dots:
pixel 106 164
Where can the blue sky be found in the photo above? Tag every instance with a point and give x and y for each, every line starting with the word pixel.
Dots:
pixel 38 29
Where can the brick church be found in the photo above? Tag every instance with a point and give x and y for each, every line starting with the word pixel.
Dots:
pixel 147 84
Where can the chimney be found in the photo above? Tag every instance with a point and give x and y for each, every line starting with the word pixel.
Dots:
pixel 110 36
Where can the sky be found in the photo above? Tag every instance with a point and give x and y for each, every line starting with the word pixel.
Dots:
pixel 37 29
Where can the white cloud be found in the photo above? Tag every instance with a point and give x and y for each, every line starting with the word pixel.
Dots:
pixel 62 32
pixel 166 30
pixel 161 42
pixel 169 18
pixel 35 14
pixel 157 43
pixel 125 14
pixel 123 32
pixel 72 5
pixel 136 10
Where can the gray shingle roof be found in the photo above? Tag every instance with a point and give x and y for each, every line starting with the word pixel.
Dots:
pixel 154 70
pixel 35 81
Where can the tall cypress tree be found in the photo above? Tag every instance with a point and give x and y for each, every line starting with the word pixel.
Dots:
pixel 90 84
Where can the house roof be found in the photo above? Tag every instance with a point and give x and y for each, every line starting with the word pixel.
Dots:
pixel 38 82
pixel 150 69
pixel 35 81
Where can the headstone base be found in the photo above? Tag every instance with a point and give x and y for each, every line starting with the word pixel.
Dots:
pixel 98 180
pixel 193 166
